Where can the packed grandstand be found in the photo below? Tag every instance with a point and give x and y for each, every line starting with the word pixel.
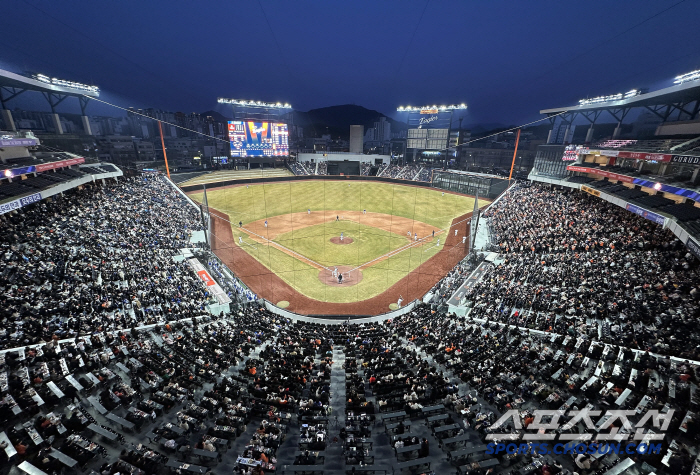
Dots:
pixel 565 339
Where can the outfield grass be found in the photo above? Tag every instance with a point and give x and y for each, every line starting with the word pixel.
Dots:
pixel 261 201
pixel 250 203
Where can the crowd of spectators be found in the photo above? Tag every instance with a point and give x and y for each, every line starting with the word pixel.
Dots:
pixel 584 284
pixel 406 172
pixel 574 263
pixel 302 168
pixel 392 171
pixel 425 174
pixel 97 259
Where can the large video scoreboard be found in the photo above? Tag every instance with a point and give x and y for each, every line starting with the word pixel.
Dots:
pixel 258 139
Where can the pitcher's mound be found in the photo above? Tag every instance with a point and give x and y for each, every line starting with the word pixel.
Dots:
pixel 349 278
pixel 346 240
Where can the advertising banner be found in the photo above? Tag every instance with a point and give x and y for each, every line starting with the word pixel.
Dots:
pixel 215 289
pixel 656 157
pixel 42 167
pixel 658 219
pixel 600 172
pixel 685 159
pixel 9 141
pixel 429 119
pixel 693 247
pixel 615 176
pixel 19 203
pixel 574 168
pixel 590 191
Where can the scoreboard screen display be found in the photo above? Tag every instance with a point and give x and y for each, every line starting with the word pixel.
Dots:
pixel 258 139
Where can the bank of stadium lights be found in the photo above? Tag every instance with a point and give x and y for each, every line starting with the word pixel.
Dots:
pixel 431 108
pixel 64 83
pixel 691 76
pixel 270 105
pixel 614 97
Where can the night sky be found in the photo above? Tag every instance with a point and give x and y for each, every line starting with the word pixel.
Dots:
pixel 506 60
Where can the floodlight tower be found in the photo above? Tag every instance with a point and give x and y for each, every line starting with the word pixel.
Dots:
pixel 256 110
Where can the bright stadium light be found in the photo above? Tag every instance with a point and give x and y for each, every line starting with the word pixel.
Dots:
pixel 431 108
pixel 64 83
pixel 691 76
pixel 239 102
pixel 613 97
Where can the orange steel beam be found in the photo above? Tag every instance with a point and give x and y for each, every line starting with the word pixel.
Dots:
pixel 167 169
pixel 517 140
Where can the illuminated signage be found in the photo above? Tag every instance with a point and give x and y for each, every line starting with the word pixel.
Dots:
pixel 427 120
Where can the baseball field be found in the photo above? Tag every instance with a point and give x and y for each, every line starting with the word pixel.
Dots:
pixel 317 246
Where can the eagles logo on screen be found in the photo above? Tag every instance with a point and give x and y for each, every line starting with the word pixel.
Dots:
pixel 258 132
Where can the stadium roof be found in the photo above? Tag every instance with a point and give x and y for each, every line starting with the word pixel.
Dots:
pixel 10 79
pixel 686 92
